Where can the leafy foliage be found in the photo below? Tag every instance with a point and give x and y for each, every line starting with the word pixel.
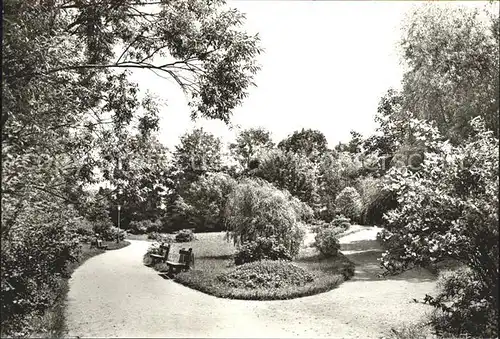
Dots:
pixel 339 224
pixel 145 226
pixel 198 152
pixel 336 171
pixel 326 241
pixel 137 170
pixel 260 249
pixel 348 203
pixel 206 200
pixel 249 144
pixel 307 142
pixel 70 111
pixel 185 235
pixel 452 59
pixel 42 242
pixel 369 189
pixel 380 203
pixel 161 238
pixel 448 209
pixel 462 308
pixel 258 209
pixel 266 274
pixel 289 171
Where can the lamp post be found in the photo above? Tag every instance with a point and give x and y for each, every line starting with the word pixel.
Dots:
pixel 119 208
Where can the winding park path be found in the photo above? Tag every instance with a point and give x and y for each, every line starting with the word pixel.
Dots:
pixel 115 295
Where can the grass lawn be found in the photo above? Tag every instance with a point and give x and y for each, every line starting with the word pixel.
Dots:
pixel 213 256
pixel 53 323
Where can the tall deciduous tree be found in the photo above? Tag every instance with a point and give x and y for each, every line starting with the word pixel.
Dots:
pixel 67 99
pixel 290 171
pixel 249 143
pixel 453 71
pixel 198 152
pixel 207 199
pixel 308 142
pixel 139 173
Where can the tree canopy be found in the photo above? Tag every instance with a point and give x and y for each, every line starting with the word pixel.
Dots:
pixel 453 73
pixel 70 111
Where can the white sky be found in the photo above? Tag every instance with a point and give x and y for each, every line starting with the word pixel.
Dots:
pixel 325 66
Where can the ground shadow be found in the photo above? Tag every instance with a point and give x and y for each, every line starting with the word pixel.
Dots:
pixel 165 276
pixel 368 268
pixel 221 257
pixel 361 245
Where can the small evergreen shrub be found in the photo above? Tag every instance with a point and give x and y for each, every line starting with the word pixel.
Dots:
pixel 185 235
pixel 326 242
pixel 342 222
pixel 266 274
pixel 260 249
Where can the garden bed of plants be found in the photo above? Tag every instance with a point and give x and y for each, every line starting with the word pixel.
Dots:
pixel 215 272
pixel 266 274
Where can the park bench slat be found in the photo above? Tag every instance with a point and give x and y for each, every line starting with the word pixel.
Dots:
pixel 161 257
pixel 186 259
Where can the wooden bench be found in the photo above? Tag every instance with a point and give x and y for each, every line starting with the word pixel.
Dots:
pixel 163 256
pixel 186 260
pixel 97 243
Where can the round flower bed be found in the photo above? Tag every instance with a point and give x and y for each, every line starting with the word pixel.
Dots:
pixel 266 274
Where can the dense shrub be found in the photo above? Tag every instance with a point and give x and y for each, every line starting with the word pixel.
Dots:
pixel 105 230
pixel 326 241
pixel 289 171
pixel 258 209
pixel 116 233
pixel 266 274
pixel 144 226
pixel 461 306
pixel 85 230
pixel 160 237
pixel 448 208
pixel 178 214
pixel 34 258
pixel 185 235
pixel 348 203
pixel 205 201
pixel 261 248
pixel 339 224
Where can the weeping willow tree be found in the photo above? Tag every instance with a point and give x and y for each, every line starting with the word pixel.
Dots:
pixel 256 208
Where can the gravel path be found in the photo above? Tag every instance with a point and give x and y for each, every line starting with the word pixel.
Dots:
pixel 115 295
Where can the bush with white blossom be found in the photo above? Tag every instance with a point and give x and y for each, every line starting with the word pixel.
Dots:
pixel 448 208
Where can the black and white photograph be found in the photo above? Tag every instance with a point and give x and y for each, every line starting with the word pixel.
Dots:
pixel 250 169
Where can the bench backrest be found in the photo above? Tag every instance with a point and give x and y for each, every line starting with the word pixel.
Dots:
pixel 185 256
pixel 166 250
